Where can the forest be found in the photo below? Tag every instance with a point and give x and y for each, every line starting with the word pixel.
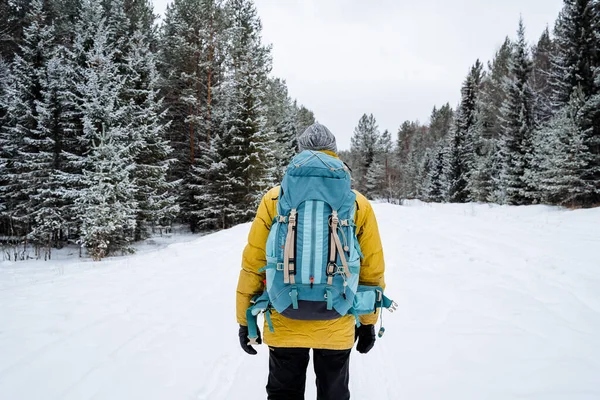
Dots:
pixel 115 126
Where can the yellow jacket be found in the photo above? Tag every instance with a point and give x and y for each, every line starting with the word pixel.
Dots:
pixel 334 334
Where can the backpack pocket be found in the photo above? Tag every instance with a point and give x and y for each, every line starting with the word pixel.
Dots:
pixel 366 299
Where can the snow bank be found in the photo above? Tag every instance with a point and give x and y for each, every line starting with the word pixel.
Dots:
pixel 495 303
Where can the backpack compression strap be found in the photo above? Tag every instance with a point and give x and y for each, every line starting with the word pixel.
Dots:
pixel 338 245
pixel 289 262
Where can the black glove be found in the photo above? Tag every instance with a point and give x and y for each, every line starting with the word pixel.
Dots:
pixel 243 333
pixel 366 338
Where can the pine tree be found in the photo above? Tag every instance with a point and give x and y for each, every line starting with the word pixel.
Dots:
pixel 304 118
pixel 148 146
pixel 433 185
pixel 26 140
pixel 63 14
pixel 194 45
pixel 281 123
pixel 378 176
pixel 440 123
pixel 251 144
pixel 459 159
pixel 541 70
pixel 431 163
pixel 575 64
pixel 518 125
pixel 561 157
pixel 55 110
pixel 484 180
pixel 576 50
pixel 142 18
pixel 385 159
pixel 254 128
pixel 13 23
pixel 106 200
pixel 103 194
pixel 364 146
pixel 5 154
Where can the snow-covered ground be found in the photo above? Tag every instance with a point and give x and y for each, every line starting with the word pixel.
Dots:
pixel 494 303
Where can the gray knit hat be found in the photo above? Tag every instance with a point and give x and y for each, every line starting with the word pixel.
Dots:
pixel 317 137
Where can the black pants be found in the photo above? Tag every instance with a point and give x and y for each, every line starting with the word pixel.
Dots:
pixel 287 373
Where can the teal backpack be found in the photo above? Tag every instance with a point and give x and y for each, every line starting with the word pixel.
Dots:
pixel 313 255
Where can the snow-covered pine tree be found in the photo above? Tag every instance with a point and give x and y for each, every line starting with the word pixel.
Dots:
pixel 459 159
pixel 212 185
pixel 431 180
pixel 414 166
pixel 63 14
pixel 575 64
pixel 379 176
pixel 404 160
pixel 433 185
pixel 11 30
pixel 149 149
pixel 106 200
pixel 304 118
pixel 576 52
pixel 5 84
pixel 281 122
pixel 118 25
pixel 250 156
pixel 487 128
pixel 540 75
pixel 27 142
pixel 364 146
pixel 56 111
pixel 561 156
pixel 518 125
pixel 375 180
pixel 484 180
pixel 440 123
pixel 103 193
pixel 141 17
pixel 193 46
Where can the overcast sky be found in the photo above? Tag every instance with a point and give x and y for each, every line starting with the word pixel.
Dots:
pixel 393 58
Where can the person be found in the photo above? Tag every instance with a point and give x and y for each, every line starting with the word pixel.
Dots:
pixel 291 340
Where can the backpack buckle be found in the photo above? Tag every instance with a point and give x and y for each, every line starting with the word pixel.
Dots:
pixel 331 269
pixel 292 217
pixel 279 267
pixel 334 217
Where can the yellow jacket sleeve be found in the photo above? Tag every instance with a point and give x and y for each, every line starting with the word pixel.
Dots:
pixel 372 266
pixel 250 282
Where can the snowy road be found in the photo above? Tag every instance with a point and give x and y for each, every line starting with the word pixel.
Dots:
pixel 494 303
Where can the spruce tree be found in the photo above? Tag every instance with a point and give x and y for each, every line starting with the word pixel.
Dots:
pixel 148 146
pixel 104 195
pixel 542 67
pixel 364 146
pixel 281 123
pixel 433 185
pixel 458 159
pixel 561 156
pixel 26 140
pixel 518 125
pixel 195 40
pixel 575 65
pixel 247 145
pixel 483 182
pixel 5 154
pixel 304 118
pixel 381 178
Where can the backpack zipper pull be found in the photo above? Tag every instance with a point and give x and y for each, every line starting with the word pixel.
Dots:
pixel 312 281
